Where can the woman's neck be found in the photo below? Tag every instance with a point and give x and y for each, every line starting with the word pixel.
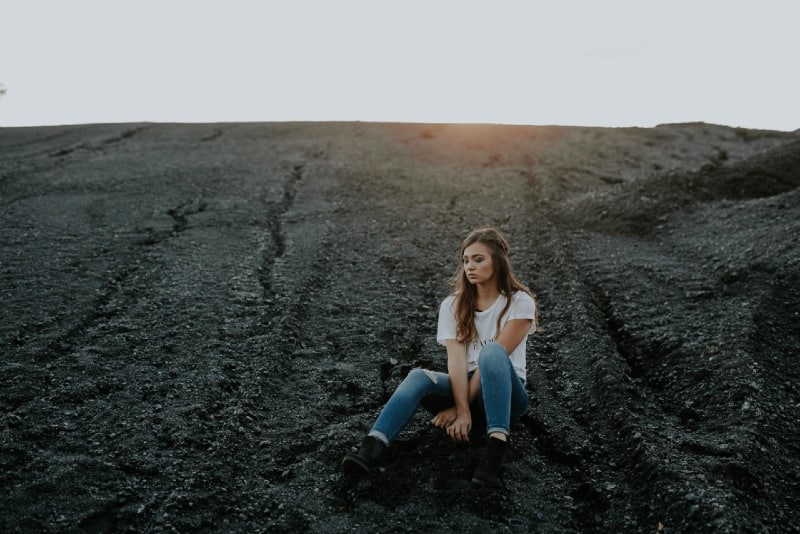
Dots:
pixel 487 294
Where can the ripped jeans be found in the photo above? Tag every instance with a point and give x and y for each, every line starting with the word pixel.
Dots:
pixel 502 391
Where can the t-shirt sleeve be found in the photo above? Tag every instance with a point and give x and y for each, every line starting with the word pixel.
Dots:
pixel 447 321
pixel 523 307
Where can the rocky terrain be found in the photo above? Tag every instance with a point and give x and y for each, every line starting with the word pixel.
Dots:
pixel 198 321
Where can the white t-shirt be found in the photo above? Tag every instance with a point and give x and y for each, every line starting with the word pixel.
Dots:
pixel 522 307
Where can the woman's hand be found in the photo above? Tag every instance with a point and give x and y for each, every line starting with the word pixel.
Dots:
pixel 459 429
pixel 445 418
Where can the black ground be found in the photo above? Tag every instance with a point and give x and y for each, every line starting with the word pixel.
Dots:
pixel 198 321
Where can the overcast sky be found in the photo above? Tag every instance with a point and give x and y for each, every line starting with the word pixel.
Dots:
pixel 593 62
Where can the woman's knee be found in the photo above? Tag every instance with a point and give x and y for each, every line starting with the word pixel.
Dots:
pixel 421 375
pixel 416 384
pixel 419 381
pixel 492 353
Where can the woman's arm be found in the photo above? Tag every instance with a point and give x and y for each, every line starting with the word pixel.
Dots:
pixel 513 333
pixel 457 369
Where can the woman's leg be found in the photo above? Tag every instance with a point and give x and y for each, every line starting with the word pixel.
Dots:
pixel 503 392
pixel 406 399
pixel 504 396
pixel 418 385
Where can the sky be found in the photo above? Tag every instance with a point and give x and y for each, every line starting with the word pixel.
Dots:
pixel 568 62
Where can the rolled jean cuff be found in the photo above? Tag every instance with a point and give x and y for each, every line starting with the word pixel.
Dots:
pixel 500 429
pixel 380 435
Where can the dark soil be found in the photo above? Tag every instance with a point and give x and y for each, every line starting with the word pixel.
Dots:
pixel 198 321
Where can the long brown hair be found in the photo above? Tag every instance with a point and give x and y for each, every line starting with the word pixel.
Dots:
pixel 467 294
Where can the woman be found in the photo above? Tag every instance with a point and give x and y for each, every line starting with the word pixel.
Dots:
pixel 484 324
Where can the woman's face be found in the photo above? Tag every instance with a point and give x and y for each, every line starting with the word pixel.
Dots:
pixel 478 265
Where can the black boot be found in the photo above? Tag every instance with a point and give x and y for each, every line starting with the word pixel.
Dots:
pixel 371 455
pixel 488 471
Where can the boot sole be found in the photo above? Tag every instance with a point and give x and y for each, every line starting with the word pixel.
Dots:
pixel 352 464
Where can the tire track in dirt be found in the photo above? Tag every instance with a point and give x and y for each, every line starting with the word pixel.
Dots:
pixel 48 160
pixel 112 339
pixel 673 426
pixel 112 298
pixel 277 247
pixel 570 361
pixel 270 383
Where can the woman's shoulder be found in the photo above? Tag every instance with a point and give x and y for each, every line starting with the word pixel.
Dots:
pixel 448 301
pixel 520 296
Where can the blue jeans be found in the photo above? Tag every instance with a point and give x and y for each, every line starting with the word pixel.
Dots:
pixel 503 393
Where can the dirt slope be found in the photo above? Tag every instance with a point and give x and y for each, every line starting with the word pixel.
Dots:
pixel 199 320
